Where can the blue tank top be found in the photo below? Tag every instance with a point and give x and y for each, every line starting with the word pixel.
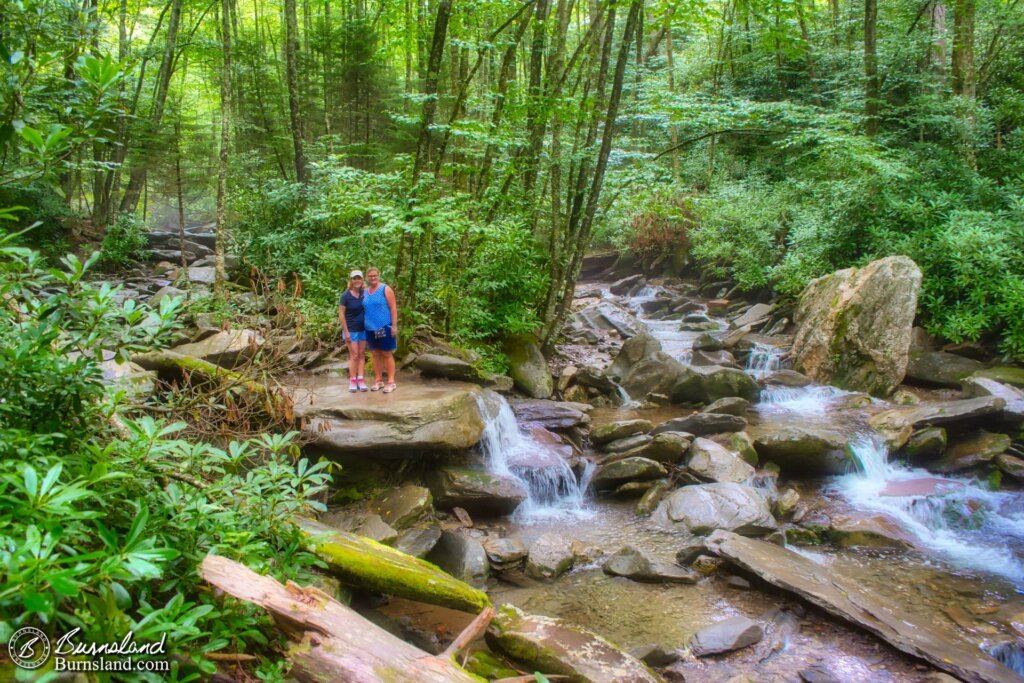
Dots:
pixel 376 312
pixel 353 311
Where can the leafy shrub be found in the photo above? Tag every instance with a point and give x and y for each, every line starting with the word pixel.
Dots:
pixel 124 242
pixel 106 514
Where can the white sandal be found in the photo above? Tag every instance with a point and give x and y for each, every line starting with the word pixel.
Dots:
pixel 390 387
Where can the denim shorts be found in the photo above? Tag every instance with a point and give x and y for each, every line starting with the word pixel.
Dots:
pixel 357 336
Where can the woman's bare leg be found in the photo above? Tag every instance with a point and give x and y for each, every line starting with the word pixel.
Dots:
pixel 378 366
pixel 360 357
pixel 390 361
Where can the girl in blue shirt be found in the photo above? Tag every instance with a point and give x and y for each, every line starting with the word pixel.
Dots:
pixel 351 314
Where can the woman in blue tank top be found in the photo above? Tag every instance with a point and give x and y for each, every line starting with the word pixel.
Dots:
pixel 380 317
pixel 353 330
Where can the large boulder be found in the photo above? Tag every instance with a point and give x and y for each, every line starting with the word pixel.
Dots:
pixel 801 449
pixel 641 368
pixel 559 647
pixel 528 367
pixel 404 506
pixel 414 420
pixel 713 462
pixel 709 383
pixel 628 469
pixel 477 491
pixel 701 424
pixel 608 316
pixel 447 367
pixel 612 431
pixel 667 447
pixel 970 451
pixel 854 326
pixel 550 414
pixel 226 348
pixel 462 557
pixel 699 510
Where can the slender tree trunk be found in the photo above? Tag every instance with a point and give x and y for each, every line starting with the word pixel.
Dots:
pixel 937 53
pixel 536 109
pixel 291 50
pixel 220 278
pixel 673 129
pixel 181 198
pixel 137 178
pixel 964 83
pixel 871 84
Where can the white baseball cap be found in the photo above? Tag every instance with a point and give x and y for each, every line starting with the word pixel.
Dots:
pixel 355 273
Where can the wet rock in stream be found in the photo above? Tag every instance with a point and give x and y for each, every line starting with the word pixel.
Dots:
pixel 549 557
pixel 633 564
pixel 726 635
pixel 702 424
pixel 629 469
pixel 478 492
pixel 713 462
pixel 698 510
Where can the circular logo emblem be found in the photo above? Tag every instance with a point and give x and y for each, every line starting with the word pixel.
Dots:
pixel 29 648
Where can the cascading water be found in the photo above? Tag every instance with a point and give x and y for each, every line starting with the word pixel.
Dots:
pixel 810 400
pixel 552 485
pixel 764 359
pixel 959 519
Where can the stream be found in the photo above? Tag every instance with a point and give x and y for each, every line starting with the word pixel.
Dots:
pixel 965 566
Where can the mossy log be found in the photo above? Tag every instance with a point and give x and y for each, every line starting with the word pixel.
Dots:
pixel 364 563
pixel 331 642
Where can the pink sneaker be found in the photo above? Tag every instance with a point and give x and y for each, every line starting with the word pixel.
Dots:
pixel 361 383
pixel 353 386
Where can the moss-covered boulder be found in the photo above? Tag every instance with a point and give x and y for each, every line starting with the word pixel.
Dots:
pixel 528 367
pixel 613 431
pixel 1004 374
pixel 970 451
pixel 926 443
pixel 854 325
pixel 709 383
pixel 555 646
pixel 801 449
pixel 939 368
pixel 613 474
pixel 364 563
pixel 476 491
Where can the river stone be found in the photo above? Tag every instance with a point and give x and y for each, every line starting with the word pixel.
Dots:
pixel 622 286
pixel 928 636
pixel 897 424
pixel 689 552
pixel 667 447
pixel 983 386
pixel 701 424
pixel 225 348
pixel 940 368
pixel 528 367
pixel 462 557
pixel 701 509
pixel 627 444
pixel 504 552
pixel 971 451
pixel 707 342
pixel 437 365
pixel 405 506
pixel 788 378
pixel 713 358
pixel 1003 374
pixel 854 325
pixel 416 420
pixel 607 316
pixel 706 384
pixel 633 564
pixel 476 491
pixel 801 449
pixel 652 496
pixel 926 443
pixel 731 405
pixel 655 655
pixel 549 557
pixel 743 445
pixel 632 489
pixel 594 377
pixel 613 474
pixel 1011 465
pixel 418 542
pixel 559 647
pixel 755 315
pixel 866 530
pixel 786 502
pixel 550 414
pixel 710 461
pixel 165 292
pixel 621 429
pixel 361 522
pixel 641 368
pixel 726 635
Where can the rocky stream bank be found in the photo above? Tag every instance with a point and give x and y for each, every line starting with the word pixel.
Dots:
pixel 694 488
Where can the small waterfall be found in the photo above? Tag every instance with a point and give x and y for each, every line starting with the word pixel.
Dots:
pixel 544 473
pixel 810 400
pixel 1010 655
pixel 764 359
pixel 960 519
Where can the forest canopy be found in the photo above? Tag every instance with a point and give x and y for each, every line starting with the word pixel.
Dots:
pixel 475 150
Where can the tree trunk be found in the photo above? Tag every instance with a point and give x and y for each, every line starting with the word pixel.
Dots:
pixel 963 48
pixel 871 84
pixel 937 53
pixel 330 641
pixel 220 274
pixel 536 109
pixel 137 178
pixel 291 50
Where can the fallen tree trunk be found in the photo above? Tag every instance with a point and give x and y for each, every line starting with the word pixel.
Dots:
pixel 364 563
pixel 331 642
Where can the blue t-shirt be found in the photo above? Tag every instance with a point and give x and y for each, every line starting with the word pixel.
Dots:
pixel 353 311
